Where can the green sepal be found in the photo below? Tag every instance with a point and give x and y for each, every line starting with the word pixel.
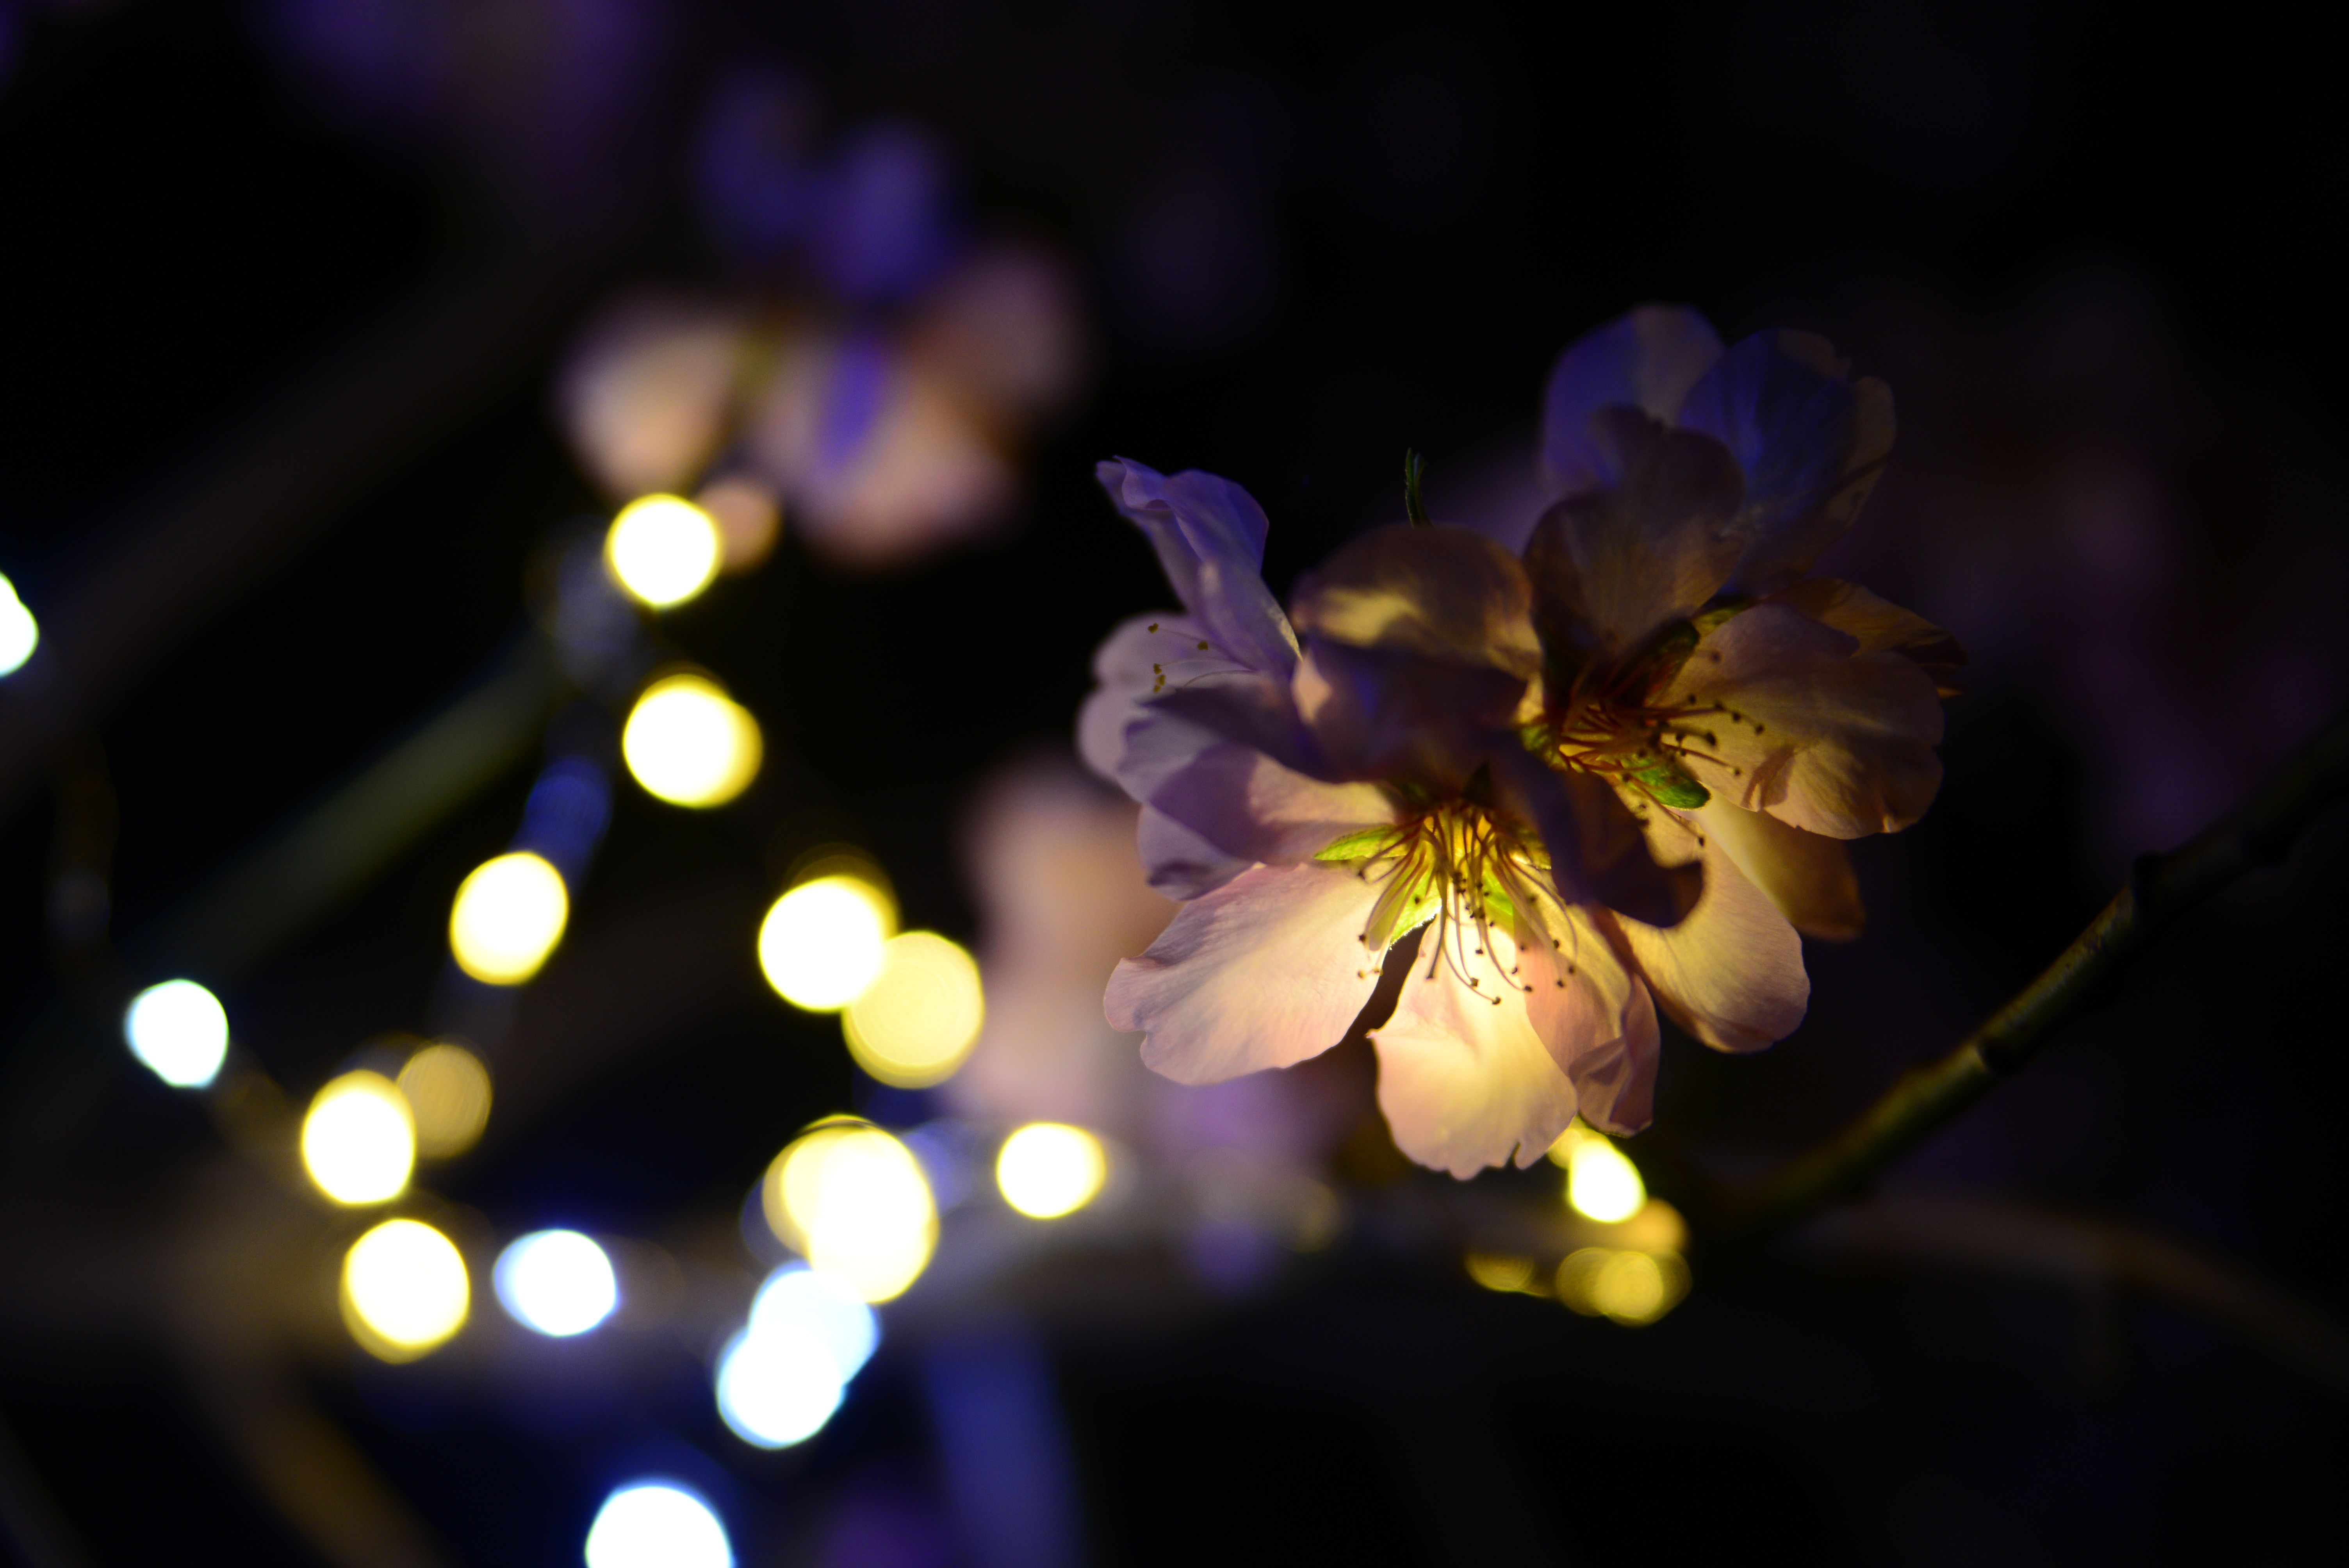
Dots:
pixel 1402 907
pixel 1500 909
pixel 1359 845
pixel 1722 612
pixel 1670 648
pixel 1668 785
pixel 1667 654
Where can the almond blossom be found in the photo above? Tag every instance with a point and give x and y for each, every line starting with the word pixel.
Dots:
pixel 1610 776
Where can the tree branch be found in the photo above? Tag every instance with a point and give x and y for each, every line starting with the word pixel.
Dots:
pixel 2090 1255
pixel 2160 889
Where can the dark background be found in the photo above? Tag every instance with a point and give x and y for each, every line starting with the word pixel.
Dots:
pixel 2091 250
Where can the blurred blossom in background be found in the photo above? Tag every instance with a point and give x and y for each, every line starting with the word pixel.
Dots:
pixel 876 377
pixel 1062 899
pixel 880 440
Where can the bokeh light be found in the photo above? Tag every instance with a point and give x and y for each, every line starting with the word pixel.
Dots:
pixel 557 1281
pixel 447 1094
pixel 19 633
pixel 656 1524
pixel 1656 1228
pixel 690 744
pixel 1629 1289
pixel 663 549
pixel 796 1295
pixel 507 916
pixel 1047 1169
pixel 916 1020
pixel 778 1385
pixel 1600 1183
pixel 1504 1272
pixel 853 1201
pixel 404 1289
pixel 179 1030
pixel 780 1378
pixel 358 1141
pixel 1627 1284
pixel 821 943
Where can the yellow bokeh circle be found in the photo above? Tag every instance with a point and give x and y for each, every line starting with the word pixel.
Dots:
pixel 359 1139
pixel 663 549
pixel 688 743
pixel 913 1024
pixel 404 1289
pixel 821 943
pixel 507 916
pixel 854 1202
pixel 1047 1169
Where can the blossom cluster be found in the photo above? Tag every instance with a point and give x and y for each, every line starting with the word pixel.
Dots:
pixel 1612 776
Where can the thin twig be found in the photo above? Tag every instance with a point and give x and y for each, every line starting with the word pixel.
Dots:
pixel 340 844
pixel 2160 889
pixel 2090 1255
pixel 297 467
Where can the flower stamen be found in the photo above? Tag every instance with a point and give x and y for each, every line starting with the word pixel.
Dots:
pixel 1453 864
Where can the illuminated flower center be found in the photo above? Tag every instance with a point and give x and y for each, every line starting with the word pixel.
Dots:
pixel 1475 875
pixel 1613 726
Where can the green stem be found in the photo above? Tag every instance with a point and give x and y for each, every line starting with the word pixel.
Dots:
pixel 1414 469
pixel 2160 889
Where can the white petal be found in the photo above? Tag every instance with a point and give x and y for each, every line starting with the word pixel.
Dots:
pixel 1804 723
pixel 1732 973
pixel 1593 1013
pixel 1179 862
pixel 1264 972
pixel 1464 1079
pixel 1246 804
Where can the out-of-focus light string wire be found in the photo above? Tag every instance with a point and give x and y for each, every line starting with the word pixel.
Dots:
pixel 333 851
pixel 337 848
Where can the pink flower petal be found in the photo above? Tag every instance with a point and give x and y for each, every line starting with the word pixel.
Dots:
pixel 1246 804
pixel 1593 1013
pixel 645 393
pixel 1812 444
pixel 1616 1082
pixel 1610 566
pixel 1387 713
pixel 1463 1079
pixel 1801 722
pixel 1646 359
pixel 1209 536
pixel 1179 863
pixel 1599 854
pixel 1732 973
pixel 1441 593
pixel 1264 972
pixel 1133 663
pixel 1880 626
pixel 1807 876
